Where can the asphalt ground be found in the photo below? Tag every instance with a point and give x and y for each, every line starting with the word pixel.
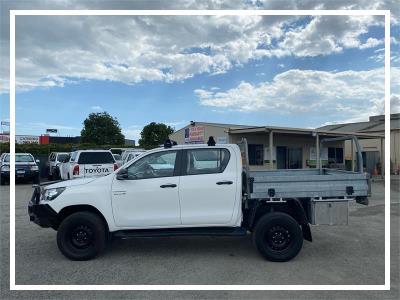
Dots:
pixel 352 254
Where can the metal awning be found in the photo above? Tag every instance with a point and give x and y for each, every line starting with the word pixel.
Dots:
pixel 301 131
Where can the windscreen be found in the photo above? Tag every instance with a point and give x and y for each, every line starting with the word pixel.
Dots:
pixel 20 158
pixel 96 158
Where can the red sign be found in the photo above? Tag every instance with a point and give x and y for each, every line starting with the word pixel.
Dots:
pixel 4 138
pixel 196 134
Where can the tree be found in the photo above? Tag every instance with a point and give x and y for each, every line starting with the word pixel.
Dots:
pixel 102 129
pixel 154 134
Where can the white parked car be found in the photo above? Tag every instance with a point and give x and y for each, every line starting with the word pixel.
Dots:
pixel 89 163
pixel 63 167
pixel 55 159
pixel 118 159
pixel 193 190
pixel 131 154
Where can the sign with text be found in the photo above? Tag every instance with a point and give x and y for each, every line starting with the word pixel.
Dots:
pixel 4 138
pixel 222 140
pixel 27 139
pixel 196 134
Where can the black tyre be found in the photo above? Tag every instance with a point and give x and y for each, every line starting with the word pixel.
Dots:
pixel 2 180
pixel 278 237
pixel 81 236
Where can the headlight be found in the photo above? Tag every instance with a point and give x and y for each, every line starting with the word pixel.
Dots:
pixel 34 168
pixel 52 194
pixel 5 168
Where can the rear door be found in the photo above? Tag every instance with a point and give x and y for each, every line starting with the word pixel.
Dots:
pixel 207 188
pixel 96 163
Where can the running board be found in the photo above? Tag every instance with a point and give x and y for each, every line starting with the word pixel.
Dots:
pixel 198 231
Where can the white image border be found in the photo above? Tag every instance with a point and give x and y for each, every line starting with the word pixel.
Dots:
pixel 14 13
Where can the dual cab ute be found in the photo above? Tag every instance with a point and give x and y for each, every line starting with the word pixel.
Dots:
pixel 206 189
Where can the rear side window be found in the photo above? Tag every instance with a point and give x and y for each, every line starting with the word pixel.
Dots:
pixel 206 161
pixel 96 158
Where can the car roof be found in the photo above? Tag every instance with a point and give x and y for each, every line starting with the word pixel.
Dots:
pixel 97 150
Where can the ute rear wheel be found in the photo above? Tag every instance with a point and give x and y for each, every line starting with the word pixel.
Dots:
pixel 278 237
pixel 81 236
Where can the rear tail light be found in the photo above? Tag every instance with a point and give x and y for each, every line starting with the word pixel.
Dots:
pixel 115 167
pixel 76 170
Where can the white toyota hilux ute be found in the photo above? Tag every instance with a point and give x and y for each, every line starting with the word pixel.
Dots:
pixel 176 190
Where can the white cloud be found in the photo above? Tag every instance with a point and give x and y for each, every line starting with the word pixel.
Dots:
pixel 168 48
pixel 351 94
pixel 371 43
pixel 97 108
pixel 325 35
pixel 132 132
pixel 54 51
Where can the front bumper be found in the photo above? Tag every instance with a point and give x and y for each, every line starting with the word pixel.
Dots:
pixel 41 214
pixel 28 174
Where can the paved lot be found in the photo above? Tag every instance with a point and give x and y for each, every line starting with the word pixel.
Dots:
pixel 339 255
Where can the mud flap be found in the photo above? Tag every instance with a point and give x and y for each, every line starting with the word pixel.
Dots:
pixel 306 232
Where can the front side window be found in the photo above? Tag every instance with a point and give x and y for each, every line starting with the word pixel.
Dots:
pixel 206 161
pixel 161 164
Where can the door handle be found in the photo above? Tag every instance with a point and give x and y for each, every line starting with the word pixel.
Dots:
pixel 169 185
pixel 224 182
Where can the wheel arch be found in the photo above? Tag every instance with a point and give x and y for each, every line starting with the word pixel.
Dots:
pixel 69 210
pixel 293 207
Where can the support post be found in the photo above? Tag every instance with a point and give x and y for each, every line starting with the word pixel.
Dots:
pixel 352 155
pixel 382 158
pixel 271 150
pixel 318 162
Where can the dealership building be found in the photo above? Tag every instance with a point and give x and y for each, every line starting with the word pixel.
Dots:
pixel 294 148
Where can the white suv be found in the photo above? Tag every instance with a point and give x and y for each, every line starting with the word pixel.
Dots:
pixel 90 163
pixel 55 159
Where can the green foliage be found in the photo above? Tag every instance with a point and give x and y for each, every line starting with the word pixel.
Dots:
pixel 154 134
pixel 101 129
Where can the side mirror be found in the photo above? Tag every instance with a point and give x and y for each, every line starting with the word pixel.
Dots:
pixel 122 174
pixel 37 161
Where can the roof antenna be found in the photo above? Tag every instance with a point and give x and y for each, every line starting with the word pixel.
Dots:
pixel 211 141
pixel 168 143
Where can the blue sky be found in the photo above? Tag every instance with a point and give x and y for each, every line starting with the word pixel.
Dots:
pixel 295 72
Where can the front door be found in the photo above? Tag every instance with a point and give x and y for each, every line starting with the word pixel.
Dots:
pixel 149 196
pixel 208 186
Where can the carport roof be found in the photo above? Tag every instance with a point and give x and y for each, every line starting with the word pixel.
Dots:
pixel 374 125
pixel 301 131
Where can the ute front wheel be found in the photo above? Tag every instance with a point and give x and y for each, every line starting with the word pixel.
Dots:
pixel 81 236
pixel 278 237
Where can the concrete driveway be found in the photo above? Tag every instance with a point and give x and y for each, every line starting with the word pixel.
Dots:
pixel 351 254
